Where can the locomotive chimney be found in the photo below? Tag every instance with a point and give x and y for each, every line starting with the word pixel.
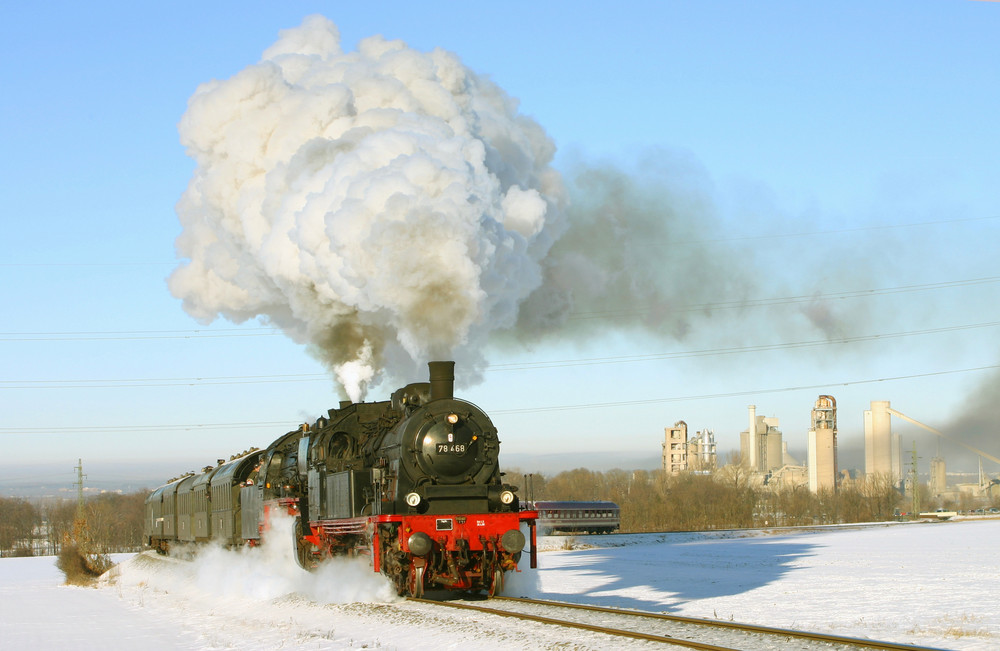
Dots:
pixel 442 380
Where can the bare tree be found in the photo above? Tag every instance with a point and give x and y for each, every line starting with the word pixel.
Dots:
pixel 59 517
pixel 116 521
pixel 880 496
pixel 654 501
pixel 578 484
pixel 796 506
pixel 18 521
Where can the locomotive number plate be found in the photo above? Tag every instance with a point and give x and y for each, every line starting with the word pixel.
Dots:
pixel 451 448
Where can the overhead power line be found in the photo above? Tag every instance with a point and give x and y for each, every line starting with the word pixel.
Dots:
pixel 741 238
pixel 789 300
pixel 127 335
pixel 87 264
pixel 733 350
pixel 839 231
pixel 123 429
pixel 161 382
pixel 733 394
pixel 107 383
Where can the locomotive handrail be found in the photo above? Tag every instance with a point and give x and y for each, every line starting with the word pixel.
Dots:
pixel 342 526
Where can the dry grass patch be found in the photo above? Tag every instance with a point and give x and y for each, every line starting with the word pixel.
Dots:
pixel 80 567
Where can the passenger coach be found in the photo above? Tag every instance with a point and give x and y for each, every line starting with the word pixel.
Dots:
pixel 577 517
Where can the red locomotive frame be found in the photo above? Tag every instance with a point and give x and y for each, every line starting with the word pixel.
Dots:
pixel 453 552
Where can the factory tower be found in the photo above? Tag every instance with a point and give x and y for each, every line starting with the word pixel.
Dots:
pixel 760 443
pixel 823 445
pixel 882 448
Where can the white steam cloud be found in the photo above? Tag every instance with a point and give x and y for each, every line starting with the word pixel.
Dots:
pixel 385 206
pixel 388 207
pixel 246 577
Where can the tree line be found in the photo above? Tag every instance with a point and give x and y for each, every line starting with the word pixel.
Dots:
pixel 114 523
pixel 649 501
pixel 727 499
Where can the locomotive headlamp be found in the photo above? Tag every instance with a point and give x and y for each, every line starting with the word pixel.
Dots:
pixel 452 418
pixel 412 499
pixel 507 497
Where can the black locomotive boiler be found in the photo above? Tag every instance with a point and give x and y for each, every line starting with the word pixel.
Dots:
pixel 412 483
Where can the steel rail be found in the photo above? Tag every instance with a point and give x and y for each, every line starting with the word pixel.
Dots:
pixel 587 627
pixel 750 628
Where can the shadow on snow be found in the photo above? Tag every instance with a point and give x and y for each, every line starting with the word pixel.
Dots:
pixel 663 576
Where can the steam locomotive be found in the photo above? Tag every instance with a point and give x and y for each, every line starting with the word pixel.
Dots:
pixel 411 483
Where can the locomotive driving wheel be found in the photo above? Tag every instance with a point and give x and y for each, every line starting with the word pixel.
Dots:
pixel 416 581
pixel 496 585
pixel 303 548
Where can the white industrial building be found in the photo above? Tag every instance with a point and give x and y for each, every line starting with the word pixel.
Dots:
pixel 822 461
pixel 681 453
pixel 675 448
pixel 883 449
pixel 764 453
pixel 761 447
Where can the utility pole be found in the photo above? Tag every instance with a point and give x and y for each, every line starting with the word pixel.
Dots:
pixel 79 489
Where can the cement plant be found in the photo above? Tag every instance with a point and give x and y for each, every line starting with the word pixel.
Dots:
pixel 764 455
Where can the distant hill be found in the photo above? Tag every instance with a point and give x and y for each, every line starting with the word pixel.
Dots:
pixel 58 480
pixel 54 480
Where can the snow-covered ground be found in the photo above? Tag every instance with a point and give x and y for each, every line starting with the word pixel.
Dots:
pixel 930 584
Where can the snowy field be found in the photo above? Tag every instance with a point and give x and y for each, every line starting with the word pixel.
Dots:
pixel 929 584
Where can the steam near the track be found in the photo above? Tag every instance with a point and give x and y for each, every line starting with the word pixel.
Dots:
pixel 385 206
pixel 261 574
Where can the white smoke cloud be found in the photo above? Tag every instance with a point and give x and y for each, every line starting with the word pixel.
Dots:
pixel 384 206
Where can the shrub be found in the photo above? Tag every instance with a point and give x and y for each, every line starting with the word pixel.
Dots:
pixel 80 567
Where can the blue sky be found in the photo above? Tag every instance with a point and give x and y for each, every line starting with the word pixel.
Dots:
pixel 841 148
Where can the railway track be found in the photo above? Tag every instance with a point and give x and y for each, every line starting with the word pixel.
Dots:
pixel 661 628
